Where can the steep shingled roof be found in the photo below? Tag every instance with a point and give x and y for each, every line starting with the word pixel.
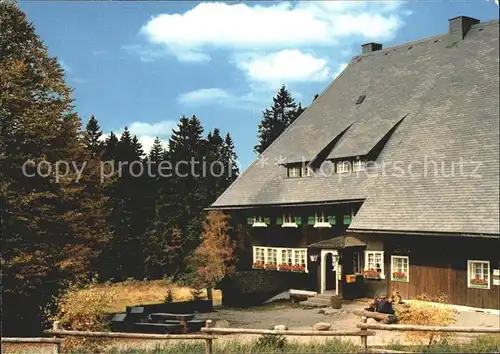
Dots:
pixel 449 93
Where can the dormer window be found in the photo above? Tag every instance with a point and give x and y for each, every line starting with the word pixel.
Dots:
pixel 343 167
pixel 258 221
pixel 306 171
pixel 289 221
pixel 322 220
pixel 294 172
pixel 359 165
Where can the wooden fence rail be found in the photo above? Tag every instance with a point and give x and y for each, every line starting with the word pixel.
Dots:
pixel 363 334
pixel 113 335
pixel 57 342
pixel 414 328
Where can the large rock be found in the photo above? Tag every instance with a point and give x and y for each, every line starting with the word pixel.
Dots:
pixel 280 328
pixel 322 326
pixel 222 324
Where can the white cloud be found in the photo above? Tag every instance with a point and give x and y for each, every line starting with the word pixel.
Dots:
pixel 203 96
pixel 208 96
pixel 273 27
pixel 147 132
pixel 286 66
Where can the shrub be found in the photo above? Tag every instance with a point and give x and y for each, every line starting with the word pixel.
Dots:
pixel 421 312
pixel 170 295
pixel 271 341
pixel 84 309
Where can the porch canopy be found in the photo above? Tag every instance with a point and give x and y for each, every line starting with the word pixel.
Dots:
pixel 339 242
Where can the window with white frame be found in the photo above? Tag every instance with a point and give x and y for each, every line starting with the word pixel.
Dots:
pixel 293 171
pixel 321 220
pixel 289 221
pixel 358 165
pixel 259 221
pixel 343 166
pixel 478 274
pixel 400 267
pixel 306 171
pixel 291 257
pixel 374 262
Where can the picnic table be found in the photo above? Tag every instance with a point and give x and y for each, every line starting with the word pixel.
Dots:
pixel 161 317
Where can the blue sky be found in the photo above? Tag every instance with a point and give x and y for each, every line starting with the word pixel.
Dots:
pixel 144 64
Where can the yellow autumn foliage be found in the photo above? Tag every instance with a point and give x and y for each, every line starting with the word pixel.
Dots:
pixel 422 311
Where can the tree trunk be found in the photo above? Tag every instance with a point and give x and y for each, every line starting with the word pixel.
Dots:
pixel 210 294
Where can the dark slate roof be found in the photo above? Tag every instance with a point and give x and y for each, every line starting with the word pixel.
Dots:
pixel 449 94
pixel 338 242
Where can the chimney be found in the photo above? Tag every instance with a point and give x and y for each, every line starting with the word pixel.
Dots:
pixel 458 27
pixel 370 47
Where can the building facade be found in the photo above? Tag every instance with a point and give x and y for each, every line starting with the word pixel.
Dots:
pixel 390 176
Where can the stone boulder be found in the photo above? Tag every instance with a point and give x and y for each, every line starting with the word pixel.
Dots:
pixel 321 326
pixel 280 328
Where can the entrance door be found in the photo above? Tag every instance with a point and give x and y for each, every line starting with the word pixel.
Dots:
pixel 330 273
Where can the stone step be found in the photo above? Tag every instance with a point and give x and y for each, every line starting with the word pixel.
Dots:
pixel 325 296
pixel 313 304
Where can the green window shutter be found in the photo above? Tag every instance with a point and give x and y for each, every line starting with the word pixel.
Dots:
pixel 311 220
pixel 249 221
pixel 279 221
pixel 298 220
pixel 267 221
pixel 331 220
pixel 347 219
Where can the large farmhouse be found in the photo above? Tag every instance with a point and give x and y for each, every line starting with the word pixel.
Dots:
pixel 390 178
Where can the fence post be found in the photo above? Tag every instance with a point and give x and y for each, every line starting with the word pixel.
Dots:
pixel 364 339
pixel 208 345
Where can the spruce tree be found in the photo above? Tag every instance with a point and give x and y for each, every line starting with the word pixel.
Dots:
pixel 52 227
pixel 276 119
pixel 157 152
pixel 111 147
pixel 92 138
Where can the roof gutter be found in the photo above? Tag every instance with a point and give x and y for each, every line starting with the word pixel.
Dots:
pixel 306 204
pixel 430 233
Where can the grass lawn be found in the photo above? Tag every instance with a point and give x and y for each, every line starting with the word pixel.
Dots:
pixel 136 292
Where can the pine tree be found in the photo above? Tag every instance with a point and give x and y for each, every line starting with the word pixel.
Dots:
pixel 111 147
pixel 276 119
pixel 92 138
pixel 231 159
pixel 52 227
pixel 157 152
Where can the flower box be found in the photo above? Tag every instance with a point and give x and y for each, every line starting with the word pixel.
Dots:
pixel 258 265
pixel 371 274
pixel 270 266
pixel 479 283
pixel 298 268
pixel 399 276
pixel 285 267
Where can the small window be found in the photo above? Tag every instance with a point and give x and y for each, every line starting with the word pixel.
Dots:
pixel 321 218
pixel 400 268
pixel 306 171
pixel 293 172
pixel 359 166
pixel 289 219
pixel 260 221
pixel 356 263
pixel 478 274
pixel 343 167
pixel 360 99
pixel 374 264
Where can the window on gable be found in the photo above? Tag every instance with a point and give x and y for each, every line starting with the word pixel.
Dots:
pixel 478 274
pixel 321 218
pixel 294 172
pixel 400 268
pixel 359 165
pixel 343 167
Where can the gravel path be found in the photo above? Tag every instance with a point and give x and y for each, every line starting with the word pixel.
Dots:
pixel 298 318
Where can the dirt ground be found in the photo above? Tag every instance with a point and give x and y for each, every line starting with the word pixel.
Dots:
pixel 298 318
